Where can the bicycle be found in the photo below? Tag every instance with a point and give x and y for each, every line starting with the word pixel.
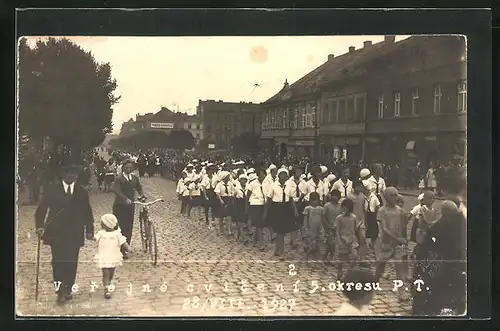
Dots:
pixel 147 230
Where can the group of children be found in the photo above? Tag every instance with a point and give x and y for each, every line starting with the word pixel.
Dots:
pixel 344 219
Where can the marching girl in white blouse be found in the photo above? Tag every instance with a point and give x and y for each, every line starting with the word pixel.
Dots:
pixel 255 207
pixel 208 184
pixel 239 203
pixel 315 185
pixel 180 189
pixel 296 187
pixel 281 211
pixel 223 190
pixel 343 185
pixel 377 182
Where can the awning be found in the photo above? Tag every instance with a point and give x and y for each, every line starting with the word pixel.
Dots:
pixel 410 145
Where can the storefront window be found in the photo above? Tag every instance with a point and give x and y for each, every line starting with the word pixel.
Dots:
pixel 350 110
pixel 342 106
pixel 360 109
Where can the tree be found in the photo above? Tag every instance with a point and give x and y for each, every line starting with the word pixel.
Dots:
pixel 180 139
pixel 64 94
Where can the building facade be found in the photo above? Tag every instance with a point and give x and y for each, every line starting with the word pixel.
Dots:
pixel 224 121
pixel 391 101
pixel 165 120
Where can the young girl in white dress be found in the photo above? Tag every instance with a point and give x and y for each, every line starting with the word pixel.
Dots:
pixel 110 243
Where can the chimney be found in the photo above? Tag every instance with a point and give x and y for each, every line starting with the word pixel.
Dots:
pixel 351 49
pixel 221 101
pixel 286 83
pixel 389 39
pixel 331 57
pixel 367 44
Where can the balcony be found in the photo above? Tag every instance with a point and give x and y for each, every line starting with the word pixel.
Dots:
pixel 438 123
pixel 342 129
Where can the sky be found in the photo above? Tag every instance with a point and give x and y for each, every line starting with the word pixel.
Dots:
pixel 175 72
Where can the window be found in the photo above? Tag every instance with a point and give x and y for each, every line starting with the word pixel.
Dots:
pixel 312 114
pixel 302 115
pixel 414 102
pixel 266 120
pixel 349 117
pixel 397 104
pixel 359 110
pixel 295 117
pixel 198 126
pixel 462 96
pixel 284 119
pixel 437 99
pixel 381 106
pixel 341 116
pixel 189 126
pixel 326 113
pixel 334 113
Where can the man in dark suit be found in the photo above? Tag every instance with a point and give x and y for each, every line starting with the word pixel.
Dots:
pixel 69 221
pixel 124 188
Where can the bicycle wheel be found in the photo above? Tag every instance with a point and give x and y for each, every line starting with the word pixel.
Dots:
pixel 142 225
pixel 153 248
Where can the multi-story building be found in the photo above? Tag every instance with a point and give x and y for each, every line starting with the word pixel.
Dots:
pixel 223 121
pixel 389 101
pixel 165 120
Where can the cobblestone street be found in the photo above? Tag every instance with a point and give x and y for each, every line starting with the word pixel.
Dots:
pixel 198 273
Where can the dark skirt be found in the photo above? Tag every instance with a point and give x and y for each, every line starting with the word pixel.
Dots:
pixel 281 218
pixel 256 214
pixel 185 199
pixel 371 225
pixel 238 211
pixel 212 200
pixel 196 201
pixel 224 210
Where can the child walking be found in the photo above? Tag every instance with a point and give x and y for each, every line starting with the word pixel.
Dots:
pixel 224 193
pixel 392 238
pixel 314 216
pixel 358 198
pixel 239 211
pixel 346 239
pixel 195 196
pixel 424 216
pixel 332 210
pixel 110 244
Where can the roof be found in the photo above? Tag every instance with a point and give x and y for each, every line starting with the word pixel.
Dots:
pixel 354 64
pixel 225 106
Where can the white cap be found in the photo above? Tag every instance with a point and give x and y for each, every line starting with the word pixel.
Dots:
pixel 210 164
pixel 323 169
pixel 285 170
pixel 195 160
pixel 223 174
pixel 331 177
pixel 243 176
pixel 272 166
pixel 252 176
pixel 189 165
pixel 250 171
pixel 109 220
pixel 364 172
pixel 303 176
pixel 420 197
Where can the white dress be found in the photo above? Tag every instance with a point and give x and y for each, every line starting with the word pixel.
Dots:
pixel 108 248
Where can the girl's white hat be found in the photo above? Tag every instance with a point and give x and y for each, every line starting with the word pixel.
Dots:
pixel 323 169
pixel 223 174
pixel 272 166
pixel 250 171
pixel 252 176
pixel 420 197
pixel 243 176
pixel 364 172
pixel 109 220
pixel 303 176
pixel 285 170
pixel 331 177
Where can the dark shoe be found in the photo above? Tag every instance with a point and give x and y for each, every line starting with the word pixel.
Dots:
pixel 107 294
pixel 125 256
pixel 61 298
pixel 282 258
pixel 68 296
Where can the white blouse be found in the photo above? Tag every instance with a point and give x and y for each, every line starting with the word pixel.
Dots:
pixel 344 188
pixel 278 193
pixel 312 187
pixel 257 197
pixel 238 191
pixel 224 190
pixel 194 189
pixel 291 188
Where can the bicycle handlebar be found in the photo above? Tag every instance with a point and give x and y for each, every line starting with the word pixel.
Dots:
pixel 146 204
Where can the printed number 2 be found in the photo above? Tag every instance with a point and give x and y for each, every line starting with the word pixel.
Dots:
pixel 291 270
pixel 186 304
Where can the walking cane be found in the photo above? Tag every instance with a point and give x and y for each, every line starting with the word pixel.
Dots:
pixel 37 266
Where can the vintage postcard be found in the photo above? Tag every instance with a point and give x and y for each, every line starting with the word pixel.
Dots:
pixel 241 176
